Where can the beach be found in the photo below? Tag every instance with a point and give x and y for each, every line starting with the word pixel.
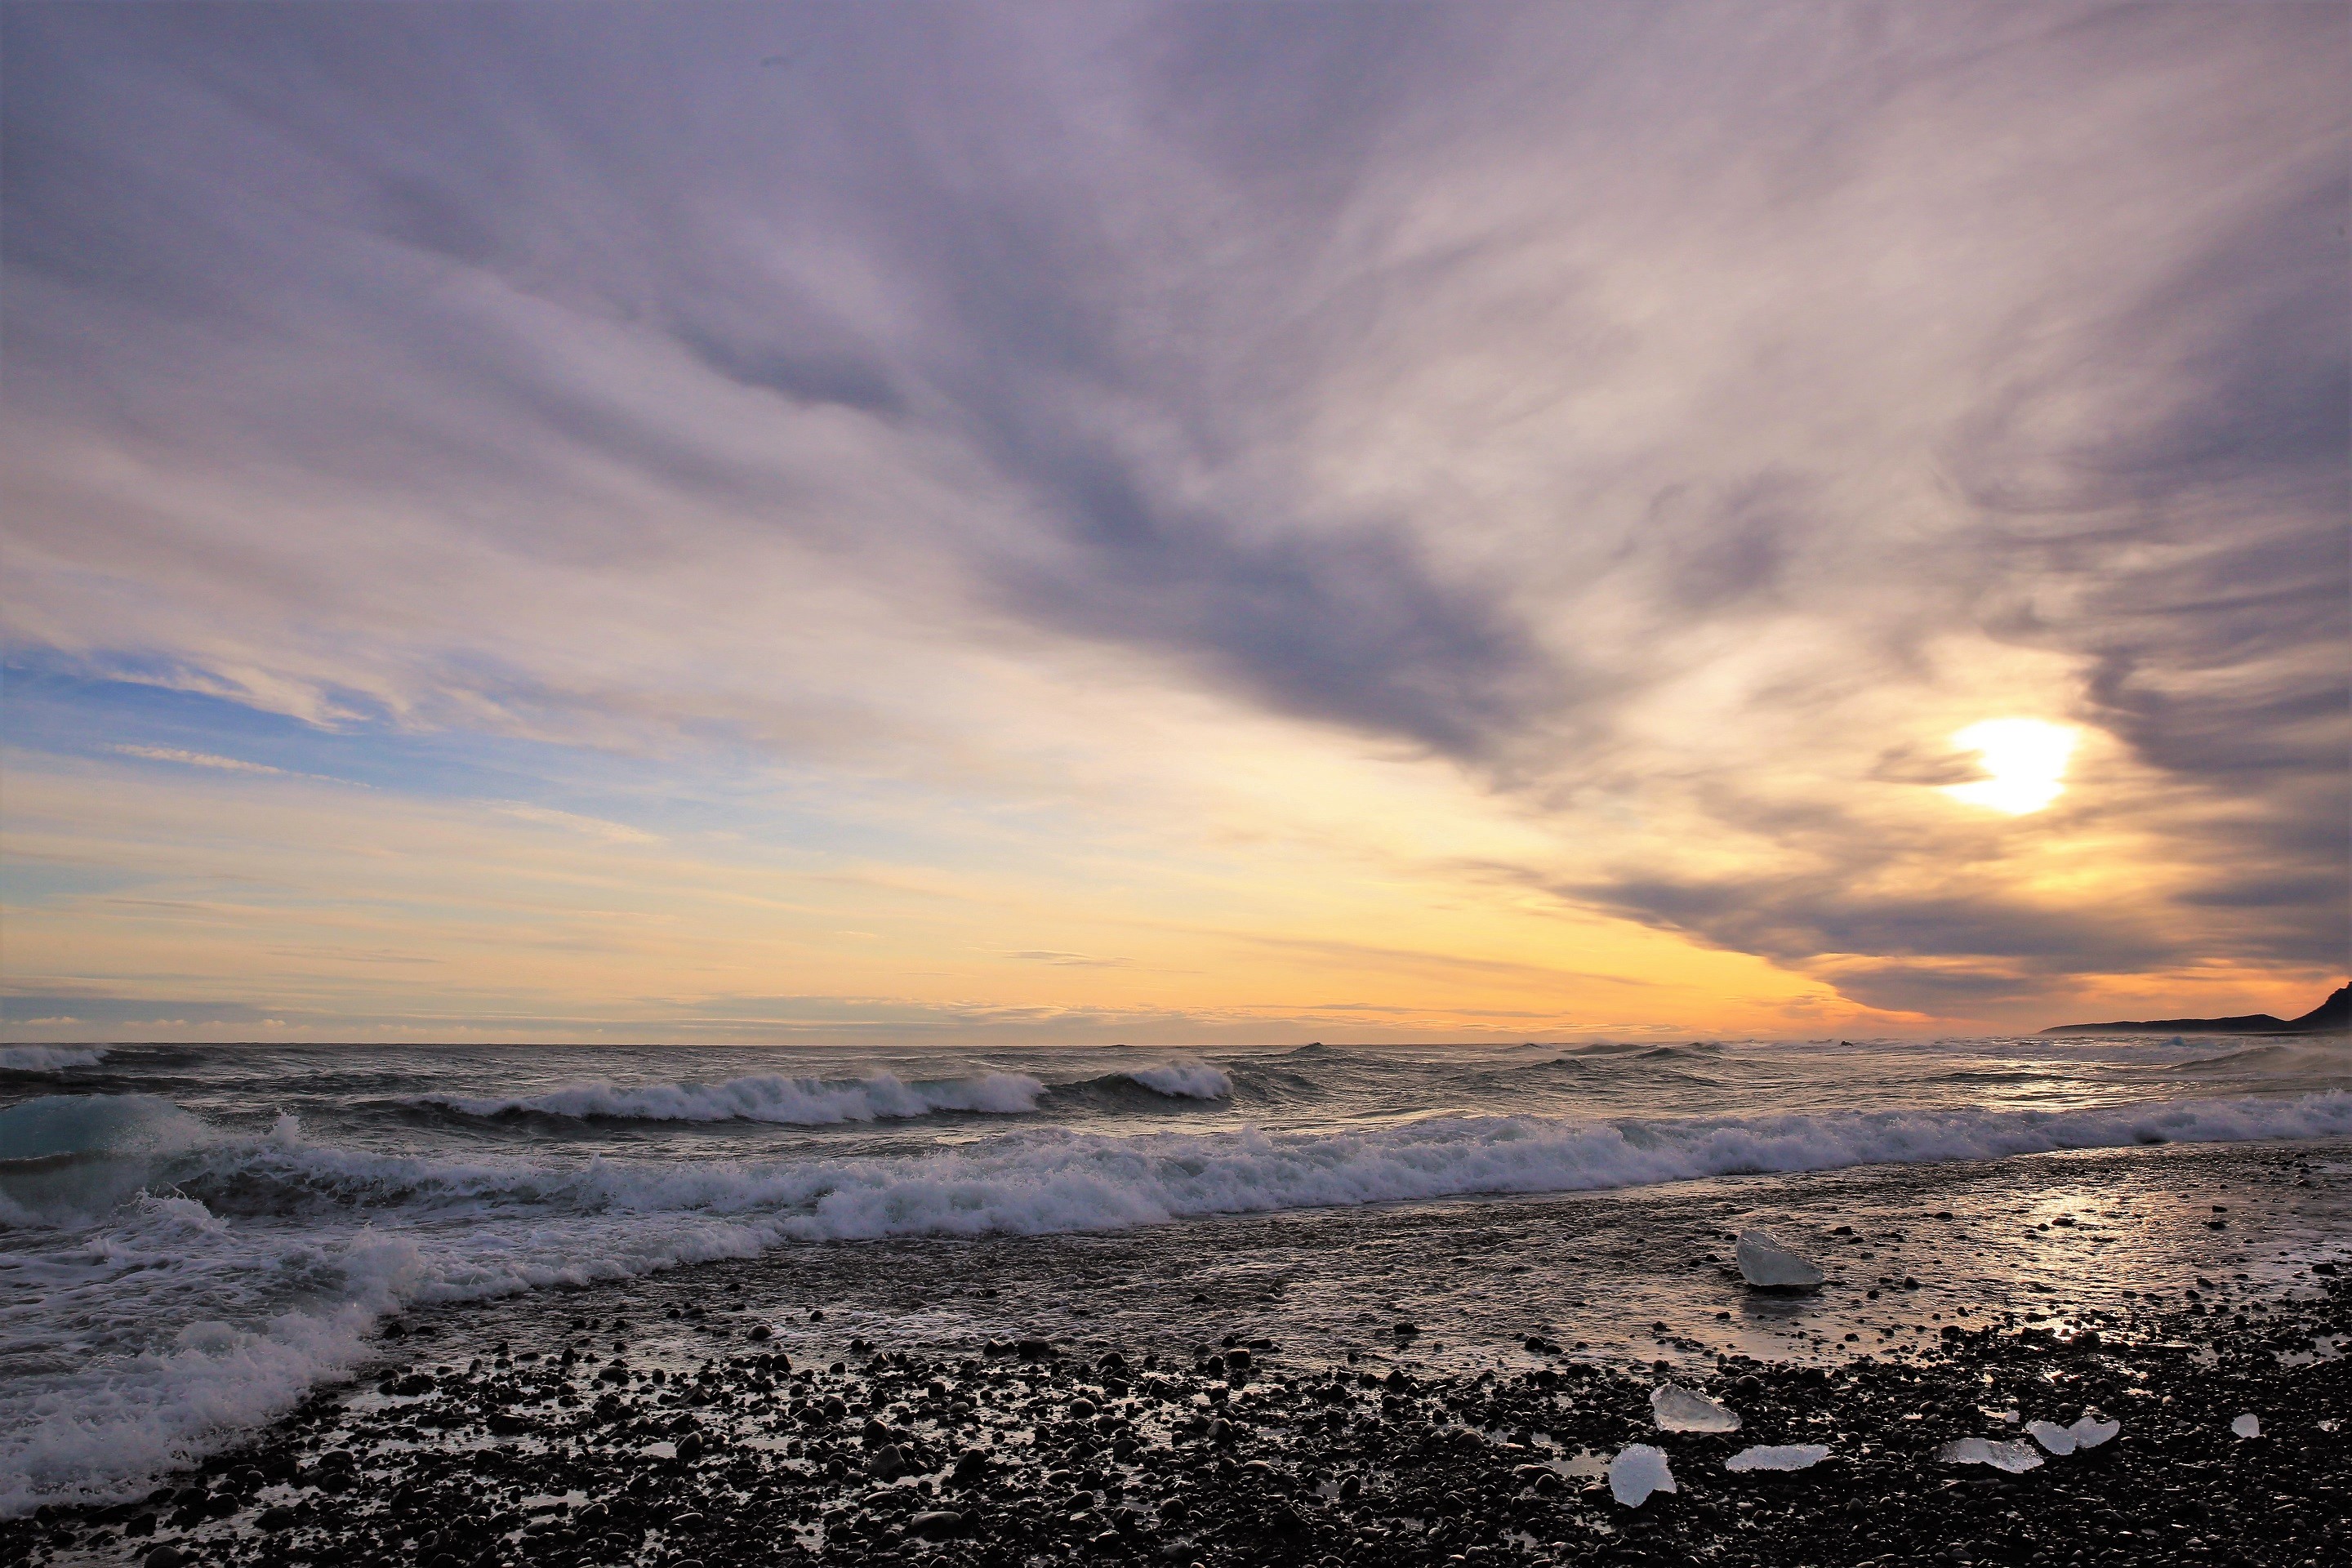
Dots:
pixel 1410 1384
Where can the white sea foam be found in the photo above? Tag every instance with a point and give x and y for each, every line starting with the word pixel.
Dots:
pixel 234 1271
pixel 49 1058
pixel 1184 1079
pixel 795 1101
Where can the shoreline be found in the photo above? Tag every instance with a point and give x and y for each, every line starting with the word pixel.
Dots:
pixel 689 1417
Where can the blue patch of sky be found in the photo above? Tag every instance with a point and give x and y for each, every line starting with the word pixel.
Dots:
pixel 56 707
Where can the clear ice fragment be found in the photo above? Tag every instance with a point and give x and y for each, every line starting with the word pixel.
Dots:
pixel 1636 1472
pixel 2087 1432
pixel 1768 1266
pixel 1787 1457
pixel 2014 1457
pixel 2090 1431
pixel 1680 1409
pixel 2052 1436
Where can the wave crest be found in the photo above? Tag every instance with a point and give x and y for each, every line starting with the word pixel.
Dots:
pixel 49 1058
pixel 1186 1078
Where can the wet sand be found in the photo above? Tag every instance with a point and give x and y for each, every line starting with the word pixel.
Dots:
pixel 1415 1385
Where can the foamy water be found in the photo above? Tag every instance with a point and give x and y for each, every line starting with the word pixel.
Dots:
pixel 194 1237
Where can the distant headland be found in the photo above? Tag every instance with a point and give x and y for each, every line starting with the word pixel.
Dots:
pixel 2331 1016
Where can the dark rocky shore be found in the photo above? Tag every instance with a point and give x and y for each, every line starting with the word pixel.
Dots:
pixel 716 1416
pixel 1242 1457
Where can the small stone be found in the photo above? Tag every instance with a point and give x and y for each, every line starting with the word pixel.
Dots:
pixel 935 1524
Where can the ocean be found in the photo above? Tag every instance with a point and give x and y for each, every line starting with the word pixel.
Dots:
pixel 194 1238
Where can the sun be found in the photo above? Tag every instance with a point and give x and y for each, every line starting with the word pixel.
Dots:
pixel 2024 759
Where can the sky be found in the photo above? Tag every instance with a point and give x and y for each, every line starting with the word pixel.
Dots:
pixel 1177 524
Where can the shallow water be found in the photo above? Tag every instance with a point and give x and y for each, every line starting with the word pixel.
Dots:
pixel 196 1235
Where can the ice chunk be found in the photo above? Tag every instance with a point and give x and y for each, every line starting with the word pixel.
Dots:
pixel 1636 1472
pixel 2090 1431
pixel 2052 1436
pixel 2247 1426
pixel 2014 1457
pixel 1680 1409
pixel 1768 1266
pixel 1787 1456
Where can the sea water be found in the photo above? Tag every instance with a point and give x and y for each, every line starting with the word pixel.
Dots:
pixel 192 1237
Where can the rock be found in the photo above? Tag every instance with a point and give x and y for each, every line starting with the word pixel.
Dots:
pixel 165 1556
pixel 689 1448
pixel 1636 1472
pixel 1035 1350
pixel 971 1468
pixel 1767 1265
pixel 1679 1409
pixel 935 1524
pixel 2247 1426
pixel 888 1463
pixel 1785 1456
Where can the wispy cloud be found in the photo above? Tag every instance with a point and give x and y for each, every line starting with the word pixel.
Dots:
pixel 197 760
pixel 572 822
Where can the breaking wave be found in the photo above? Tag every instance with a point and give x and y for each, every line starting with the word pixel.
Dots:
pixel 49 1058
pixel 1184 1079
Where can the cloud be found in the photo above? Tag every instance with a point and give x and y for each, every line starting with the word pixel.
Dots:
pixel 196 759
pixel 1676 427
pixel 572 822
pixel 186 758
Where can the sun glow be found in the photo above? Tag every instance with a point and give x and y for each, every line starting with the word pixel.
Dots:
pixel 2025 760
